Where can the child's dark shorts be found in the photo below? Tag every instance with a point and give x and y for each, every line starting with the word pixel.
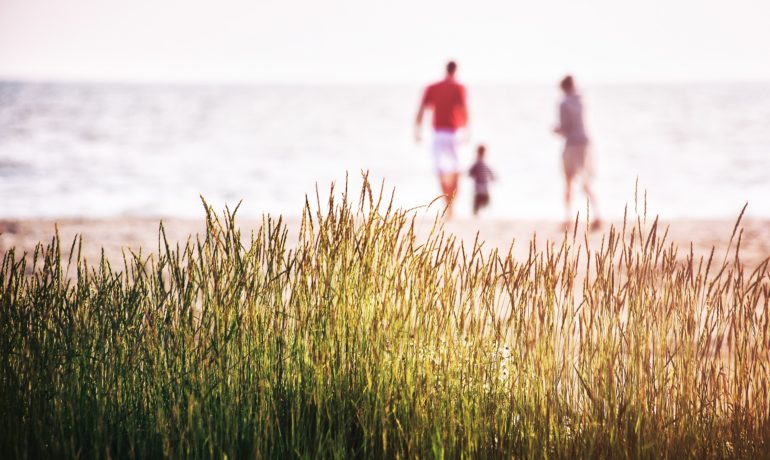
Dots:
pixel 480 200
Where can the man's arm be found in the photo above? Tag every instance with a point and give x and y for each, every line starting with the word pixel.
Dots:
pixel 462 112
pixel 559 129
pixel 463 108
pixel 420 112
pixel 418 122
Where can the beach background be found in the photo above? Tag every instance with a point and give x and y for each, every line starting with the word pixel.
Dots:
pixel 109 150
pixel 110 160
pixel 129 114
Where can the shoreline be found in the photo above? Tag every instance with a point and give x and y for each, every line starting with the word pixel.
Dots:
pixel 117 234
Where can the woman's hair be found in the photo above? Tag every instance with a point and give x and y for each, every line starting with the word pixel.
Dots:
pixel 567 84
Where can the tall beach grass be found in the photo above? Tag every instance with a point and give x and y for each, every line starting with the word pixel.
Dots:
pixel 363 338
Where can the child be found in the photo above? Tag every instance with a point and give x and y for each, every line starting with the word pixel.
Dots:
pixel 481 175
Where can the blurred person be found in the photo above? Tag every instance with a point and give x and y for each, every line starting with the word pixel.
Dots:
pixel 446 99
pixel 576 157
pixel 482 176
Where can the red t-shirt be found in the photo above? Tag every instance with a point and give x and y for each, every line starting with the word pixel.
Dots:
pixel 447 99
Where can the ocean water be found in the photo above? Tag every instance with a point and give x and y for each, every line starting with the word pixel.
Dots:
pixel 109 150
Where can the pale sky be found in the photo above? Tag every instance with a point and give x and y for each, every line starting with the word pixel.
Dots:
pixel 397 41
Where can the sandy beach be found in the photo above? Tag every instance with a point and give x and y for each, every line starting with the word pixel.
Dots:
pixel 118 234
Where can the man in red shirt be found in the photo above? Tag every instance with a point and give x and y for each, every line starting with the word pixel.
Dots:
pixel 446 99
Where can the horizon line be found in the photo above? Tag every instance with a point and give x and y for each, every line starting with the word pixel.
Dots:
pixel 362 82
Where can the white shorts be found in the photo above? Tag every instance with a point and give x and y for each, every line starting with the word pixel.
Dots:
pixel 445 152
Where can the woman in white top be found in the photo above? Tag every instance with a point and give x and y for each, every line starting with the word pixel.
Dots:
pixel 576 156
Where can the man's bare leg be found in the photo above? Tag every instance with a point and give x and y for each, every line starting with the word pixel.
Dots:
pixel 449 189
